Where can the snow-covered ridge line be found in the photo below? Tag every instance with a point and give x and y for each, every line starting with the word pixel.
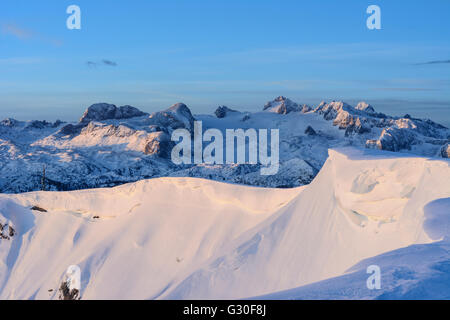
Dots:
pixel 185 238
pixel 113 145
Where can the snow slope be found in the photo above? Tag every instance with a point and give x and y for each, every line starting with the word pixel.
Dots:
pixel 184 238
pixel 146 233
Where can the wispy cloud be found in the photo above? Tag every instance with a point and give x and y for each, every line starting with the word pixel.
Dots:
pixel 19 60
pixel 25 34
pixel 433 62
pixel 104 62
pixel 405 89
pixel 109 63
pixel 16 31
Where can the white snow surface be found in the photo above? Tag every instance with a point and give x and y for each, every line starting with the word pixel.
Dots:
pixel 189 238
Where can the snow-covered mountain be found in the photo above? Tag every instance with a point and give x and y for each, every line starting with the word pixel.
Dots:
pixel 113 145
pixel 216 240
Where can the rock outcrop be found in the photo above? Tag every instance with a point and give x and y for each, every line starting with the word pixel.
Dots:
pixel 176 117
pixel 282 105
pixel 222 111
pixel 106 111
pixel 445 150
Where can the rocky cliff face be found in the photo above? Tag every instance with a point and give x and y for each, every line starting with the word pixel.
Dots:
pixel 105 111
pixel 283 105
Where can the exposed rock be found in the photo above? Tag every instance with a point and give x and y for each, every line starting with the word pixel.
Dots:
pixel 65 293
pixel 71 129
pixel 282 105
pixel 108 153
pixel 159 144
pixel 364 106
pixel 222 111
pixel 36 208
pixel 9 122
pixel 245 117
pixel 445 150
pixel 310 131
pixel 393 139
pixel 175 117
pixel 356 127
pixel 155 128
pixel 373 144
pixel 36 124
pixel 7 230
pixel 306 108
pixel 105 111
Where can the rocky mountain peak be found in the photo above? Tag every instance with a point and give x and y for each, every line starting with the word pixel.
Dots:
pixel 106 111
pixel 222 111
pixel 364 106
pixel 175 117
pixel 282 105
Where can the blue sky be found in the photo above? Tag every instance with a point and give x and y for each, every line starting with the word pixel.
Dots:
pixel 238 53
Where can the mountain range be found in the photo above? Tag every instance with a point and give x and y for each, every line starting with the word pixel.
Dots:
pixel 113 145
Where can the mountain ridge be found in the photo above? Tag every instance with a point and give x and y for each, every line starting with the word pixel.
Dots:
pixel 113 145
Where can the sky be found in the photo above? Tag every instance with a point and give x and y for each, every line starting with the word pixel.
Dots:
pixel 152 54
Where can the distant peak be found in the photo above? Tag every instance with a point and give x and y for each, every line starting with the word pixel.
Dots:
pixel 364 106
pixel 222 111
pixel 106 111
pixel 282 105
pixel 280 98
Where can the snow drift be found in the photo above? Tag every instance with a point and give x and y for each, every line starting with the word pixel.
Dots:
pixel 184 238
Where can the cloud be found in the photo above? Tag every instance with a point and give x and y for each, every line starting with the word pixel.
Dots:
pixel 433 62
pixel 16 31
pixel 26 34
pixel 405 89
pixel 104 62
pixel 109 63
pixel 19 60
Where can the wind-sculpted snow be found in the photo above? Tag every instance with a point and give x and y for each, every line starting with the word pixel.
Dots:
pixel 113 145
pixel 185 238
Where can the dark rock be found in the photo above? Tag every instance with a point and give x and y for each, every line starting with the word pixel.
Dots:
pixel 245 117
pixel 106 111
pixel 222 111
pixel 159 144
pixel 36 124
pixel 9 122
pixel 176 117
pixel 71 129
pixel 65 293
pixel 36 208
pixel 6 231
pixel 445 151
pixel 310 131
